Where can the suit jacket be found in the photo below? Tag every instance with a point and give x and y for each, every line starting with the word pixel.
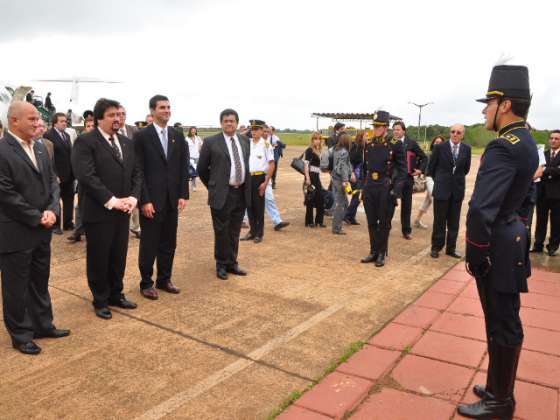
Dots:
pixel 62 154
pixel 101 175
pixel 25 193
pixel 415 157
pixel 131 130
pixel 214 166
pixel 165 179
pixel 551 176
pixel 448 183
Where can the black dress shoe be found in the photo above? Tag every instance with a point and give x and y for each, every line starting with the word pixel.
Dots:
pixel 434 253
pixel 310 225
pixel 75 237
pixel 104 313
pixel 369 259
pixel 258 239
pixel 380 260
pixel 281 225
pixel 57 231
pixel 52 333
pixel 454 254
pixel 321 225
pixel 123 303
pixel 27 348
pixel 235 269
pixel 552 252
pixel 248 237
pixel 221 273
pixel 481 392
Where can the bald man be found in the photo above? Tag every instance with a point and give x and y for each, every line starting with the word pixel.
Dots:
pixel 449 164
pixel 29 206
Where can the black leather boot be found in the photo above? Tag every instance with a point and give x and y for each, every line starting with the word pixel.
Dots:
pixel 500 403
pixel 380 261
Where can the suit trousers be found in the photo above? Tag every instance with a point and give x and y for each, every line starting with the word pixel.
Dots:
pixel 26 300
pixel 106 250
pixel 256 211
pixel 67 211
pixel 501 314
pixel 547 208
pixel 227 226
pixel 157 244
pixel 379 207
pixel 406 206
pixel 446 219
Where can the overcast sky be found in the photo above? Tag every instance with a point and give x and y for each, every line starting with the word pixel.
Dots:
pixel 280 61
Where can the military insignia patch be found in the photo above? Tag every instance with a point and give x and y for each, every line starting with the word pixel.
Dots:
pixel 394 141
pixel 513 139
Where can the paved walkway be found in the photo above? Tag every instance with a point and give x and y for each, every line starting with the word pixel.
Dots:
pixel 425 362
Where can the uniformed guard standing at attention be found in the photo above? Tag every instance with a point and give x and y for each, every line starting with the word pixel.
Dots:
pixel 497 241
pixel 261 166
pixel 384 175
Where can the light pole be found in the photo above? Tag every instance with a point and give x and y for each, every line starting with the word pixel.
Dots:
pixel 420 106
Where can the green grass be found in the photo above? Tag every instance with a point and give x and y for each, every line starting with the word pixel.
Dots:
pixel 354 348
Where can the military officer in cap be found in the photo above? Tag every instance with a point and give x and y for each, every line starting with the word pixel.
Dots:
pixel 384 175
pixel 497 241
pixel 261 167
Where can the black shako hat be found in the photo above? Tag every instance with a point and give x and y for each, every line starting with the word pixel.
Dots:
pixel 381 118
pixel 257 124
pixel 510 82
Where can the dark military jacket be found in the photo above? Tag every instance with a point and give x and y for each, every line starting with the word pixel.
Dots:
pixel 495 227
pixel 385 164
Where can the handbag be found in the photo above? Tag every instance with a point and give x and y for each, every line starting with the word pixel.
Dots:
pixel 419 184
pixel 299 164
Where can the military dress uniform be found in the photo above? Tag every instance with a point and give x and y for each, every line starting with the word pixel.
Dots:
pixel 383 177
pixel 498 243
pixel 262 153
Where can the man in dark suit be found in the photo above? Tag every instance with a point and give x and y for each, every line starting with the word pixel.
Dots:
pixel 29 203
pixel 416 161
pixel 449 165
pixel 106 167
pixel 63 165
pixel 223 167
pixel 163 156
pixel 548 199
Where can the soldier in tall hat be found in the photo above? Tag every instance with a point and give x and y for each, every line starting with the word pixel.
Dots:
pixel 497 240
pixel 261 167
pixel 383 177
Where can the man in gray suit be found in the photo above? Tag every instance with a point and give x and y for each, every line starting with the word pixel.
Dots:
pixel 129 131
pixel 223 167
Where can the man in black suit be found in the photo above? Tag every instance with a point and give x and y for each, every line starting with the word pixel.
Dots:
pixel 223 167
pixel 548 199
pixel 449 165
pixel 107 170
pixel 415 163
pixel 29 204
pixel 163 157
pixel 63 164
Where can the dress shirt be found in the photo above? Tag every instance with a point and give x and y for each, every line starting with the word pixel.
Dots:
pixel 232 166
pixel 162 140
pixel 261 154
pixel 27 149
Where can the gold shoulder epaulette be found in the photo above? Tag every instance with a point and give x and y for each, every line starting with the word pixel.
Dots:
pixel 394 141
pixel 512 138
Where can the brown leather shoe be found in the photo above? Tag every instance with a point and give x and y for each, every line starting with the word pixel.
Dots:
pixel 169 288
pixel 150 293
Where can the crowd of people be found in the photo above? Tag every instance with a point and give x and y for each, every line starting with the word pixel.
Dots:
pixel 136 180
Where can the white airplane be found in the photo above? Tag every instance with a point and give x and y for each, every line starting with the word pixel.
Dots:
pixel 8 94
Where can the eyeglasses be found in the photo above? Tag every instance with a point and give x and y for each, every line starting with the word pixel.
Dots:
pixel 456 132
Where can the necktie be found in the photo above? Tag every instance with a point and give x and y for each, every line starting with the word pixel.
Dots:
pixel 164 141
pixel 455 152
pixel 236 161
pixel 115 148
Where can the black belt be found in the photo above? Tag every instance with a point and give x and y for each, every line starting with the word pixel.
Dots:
pixel 236 187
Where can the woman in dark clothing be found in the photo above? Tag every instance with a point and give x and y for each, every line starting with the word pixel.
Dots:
pixel 313 182
pixel 356 159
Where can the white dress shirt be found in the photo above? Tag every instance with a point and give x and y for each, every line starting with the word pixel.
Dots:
pixel 28 149
pixel 261 154
pixel 161 139
pixel 230 150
